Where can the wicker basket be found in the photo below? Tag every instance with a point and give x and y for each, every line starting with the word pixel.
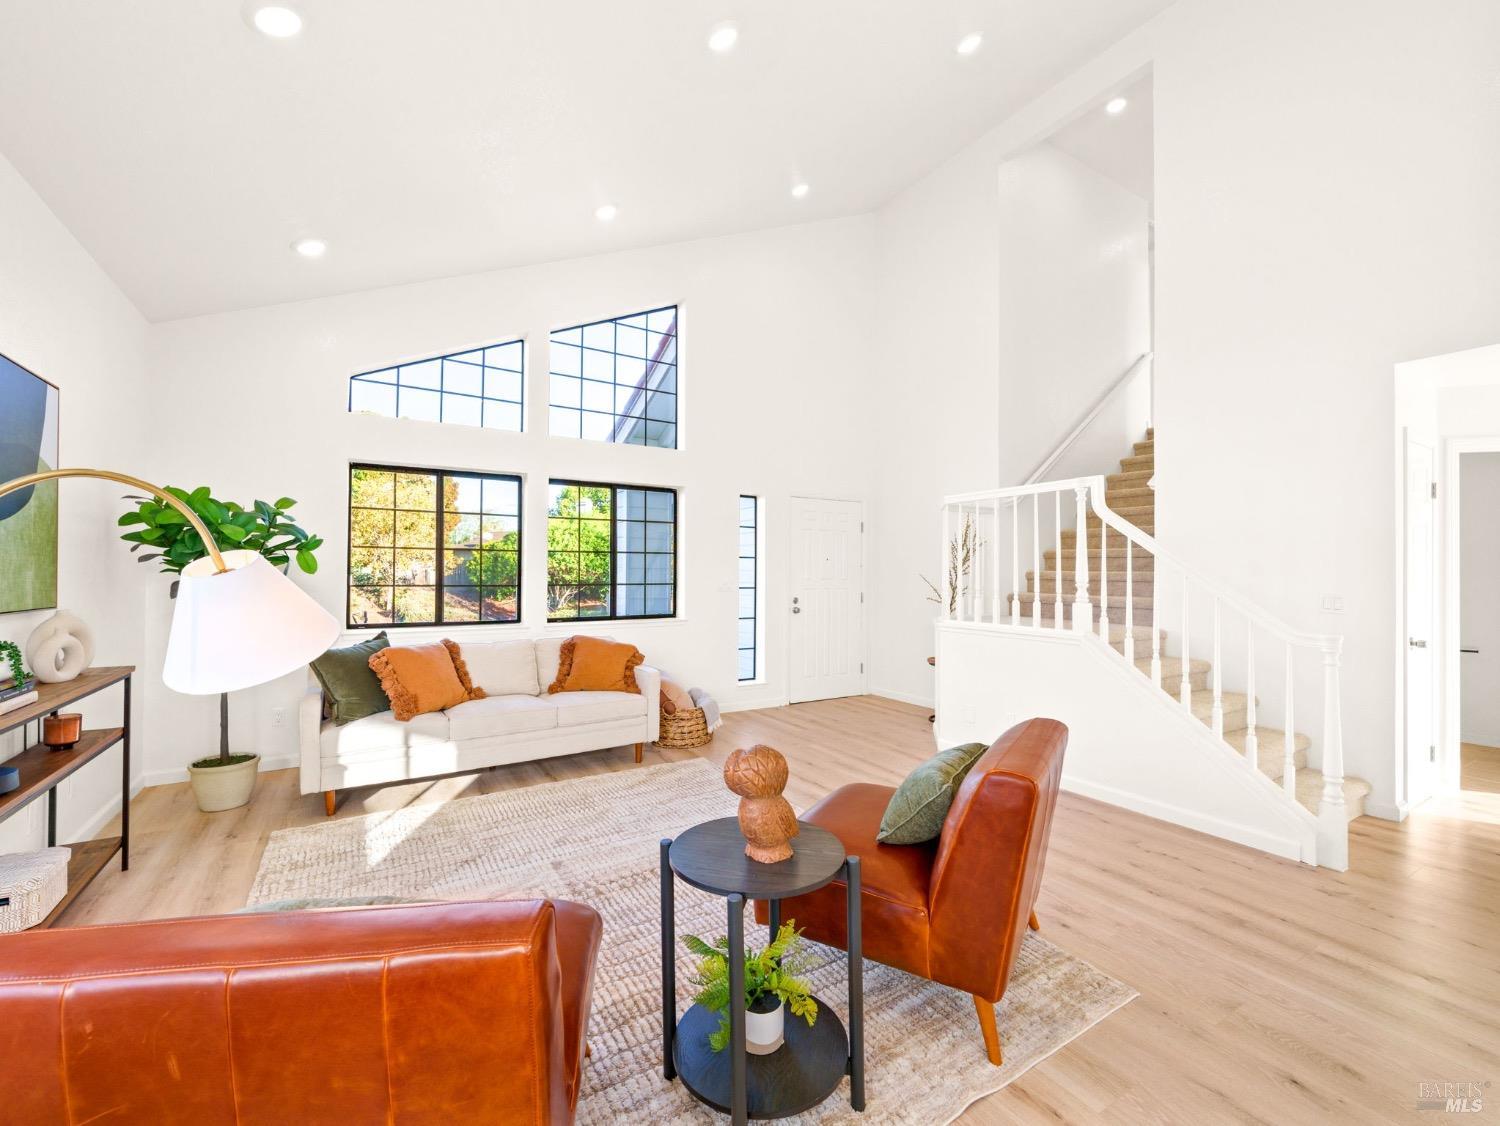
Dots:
pixel 684 728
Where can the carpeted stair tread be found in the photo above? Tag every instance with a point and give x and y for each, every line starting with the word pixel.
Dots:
pixel 1310 792
pixel 1171 671
pixel 1137 462
pixel 1269 747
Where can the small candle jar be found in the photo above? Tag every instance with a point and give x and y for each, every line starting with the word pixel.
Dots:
pixel 61 732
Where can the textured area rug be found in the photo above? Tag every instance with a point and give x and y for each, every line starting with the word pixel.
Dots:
pixel 595 840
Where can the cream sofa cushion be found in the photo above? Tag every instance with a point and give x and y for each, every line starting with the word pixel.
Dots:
pixel 383 732
pixel 503 668
pixel 575 709
pixel 501 715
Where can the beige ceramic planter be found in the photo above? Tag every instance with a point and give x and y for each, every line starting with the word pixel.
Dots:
pixel 223 787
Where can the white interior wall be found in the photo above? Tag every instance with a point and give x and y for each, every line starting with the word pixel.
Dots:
pixel 61 317
pixel 1479 585
pixel 776 363
pixel 1012 293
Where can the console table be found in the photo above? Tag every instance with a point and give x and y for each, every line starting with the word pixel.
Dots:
pixel 42 769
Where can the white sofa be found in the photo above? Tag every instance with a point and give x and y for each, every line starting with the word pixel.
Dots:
pixel 516 722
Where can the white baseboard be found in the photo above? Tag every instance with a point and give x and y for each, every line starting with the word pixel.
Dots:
pixel 1187 818
pixel 1387 811
pixel 905 697
pixel 171 775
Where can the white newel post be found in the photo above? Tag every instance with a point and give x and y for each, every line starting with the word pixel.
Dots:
pixel 1333 818
pixel 1083 612
pixel 1104 580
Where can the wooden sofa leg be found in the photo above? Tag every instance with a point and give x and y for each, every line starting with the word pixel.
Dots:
pixel 330 802
pixel 1032 922
pixel 640 751
pixel 986 1011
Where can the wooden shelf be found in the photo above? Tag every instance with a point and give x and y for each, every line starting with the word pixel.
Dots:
pixel 52 697
pixel 87 861
pixel 41 768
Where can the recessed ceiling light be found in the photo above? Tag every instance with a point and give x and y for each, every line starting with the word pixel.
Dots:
pixel 606 213
pixel 970 43
pixel 310 247
pixel 1116 106
pixel 723 38
pixel 277 21
pixel 799 191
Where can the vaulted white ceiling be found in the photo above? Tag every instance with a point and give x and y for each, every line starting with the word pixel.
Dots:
pixel 426 138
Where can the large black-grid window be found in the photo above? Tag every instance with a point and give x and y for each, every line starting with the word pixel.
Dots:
pixel 616 381
pixel 749 653
pixel 427 546
pixel 482 387
pixel 611 552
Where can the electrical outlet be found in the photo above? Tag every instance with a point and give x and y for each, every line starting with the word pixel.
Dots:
pixel 278 717
pixel 1333 604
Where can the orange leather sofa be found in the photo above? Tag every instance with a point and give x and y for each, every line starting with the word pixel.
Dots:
pixel 956 909
pixel 427 1013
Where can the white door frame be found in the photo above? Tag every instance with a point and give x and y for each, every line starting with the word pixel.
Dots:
pixel 1409 761
pixel 864 569
pixel 1450 680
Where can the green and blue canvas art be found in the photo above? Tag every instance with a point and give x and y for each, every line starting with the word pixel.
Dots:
pixel 28 517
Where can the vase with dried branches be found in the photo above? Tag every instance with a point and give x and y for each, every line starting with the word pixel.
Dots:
pixel 963 550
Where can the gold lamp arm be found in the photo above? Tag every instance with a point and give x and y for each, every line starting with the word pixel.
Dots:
pixel 135 483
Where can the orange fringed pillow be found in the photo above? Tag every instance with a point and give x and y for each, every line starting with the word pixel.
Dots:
pixel 590 664
pixel 423 678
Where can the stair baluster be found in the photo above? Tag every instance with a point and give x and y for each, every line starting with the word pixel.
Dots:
pixel 1155 627
pixel 1252 746
pixel 1289 751
pixel 1103 583
pixel 996 601
pixel 1129 604
pixel 1015 561
pixel 1036 559
pixel 1216 716
pixel 1184 686
pixel 1083 612
pixel 1057 593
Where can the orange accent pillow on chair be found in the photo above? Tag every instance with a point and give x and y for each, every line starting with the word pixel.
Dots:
pixel 423 678
pixel 591 664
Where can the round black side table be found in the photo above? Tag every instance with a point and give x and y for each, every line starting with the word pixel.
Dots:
pixel 808 1067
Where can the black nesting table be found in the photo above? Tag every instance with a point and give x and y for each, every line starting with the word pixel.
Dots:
pixel 808 1067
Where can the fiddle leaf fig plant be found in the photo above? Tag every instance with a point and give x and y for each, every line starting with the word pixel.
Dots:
pixel 767 972
pixel 162 534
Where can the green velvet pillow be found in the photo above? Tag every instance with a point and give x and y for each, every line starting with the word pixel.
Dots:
pixel 350 685
pixel 920 804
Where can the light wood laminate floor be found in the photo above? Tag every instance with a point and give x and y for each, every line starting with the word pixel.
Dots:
pixel 1270 992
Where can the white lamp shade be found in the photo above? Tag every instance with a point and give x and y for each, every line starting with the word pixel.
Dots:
pixel 241 628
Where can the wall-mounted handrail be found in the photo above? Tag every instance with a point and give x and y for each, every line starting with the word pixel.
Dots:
pixel 1087 419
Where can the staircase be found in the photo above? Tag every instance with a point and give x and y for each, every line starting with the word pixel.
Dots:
pixel 1130 495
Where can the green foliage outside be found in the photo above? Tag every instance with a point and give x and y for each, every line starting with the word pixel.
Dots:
pixel 767 972
pixel 578 547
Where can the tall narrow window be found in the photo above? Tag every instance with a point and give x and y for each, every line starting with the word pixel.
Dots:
pixel 427 547
pixel 481 387
pixel 749 649
pixel 616 381
pixel 611 552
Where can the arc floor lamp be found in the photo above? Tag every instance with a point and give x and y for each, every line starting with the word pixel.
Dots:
pixel 238 621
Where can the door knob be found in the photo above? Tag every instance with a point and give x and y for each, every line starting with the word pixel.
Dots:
pixel 796 609
pixel 1415 644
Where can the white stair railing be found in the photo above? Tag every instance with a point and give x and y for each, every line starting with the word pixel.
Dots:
pixel 1047 503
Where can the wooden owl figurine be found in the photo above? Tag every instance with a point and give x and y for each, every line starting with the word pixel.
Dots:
pixel 766 818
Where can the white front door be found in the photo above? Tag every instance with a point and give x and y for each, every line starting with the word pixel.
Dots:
pixel 827 612
pixel 1421 641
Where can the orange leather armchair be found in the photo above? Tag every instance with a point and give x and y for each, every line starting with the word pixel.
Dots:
pixel 956 909
pixel 428 1013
